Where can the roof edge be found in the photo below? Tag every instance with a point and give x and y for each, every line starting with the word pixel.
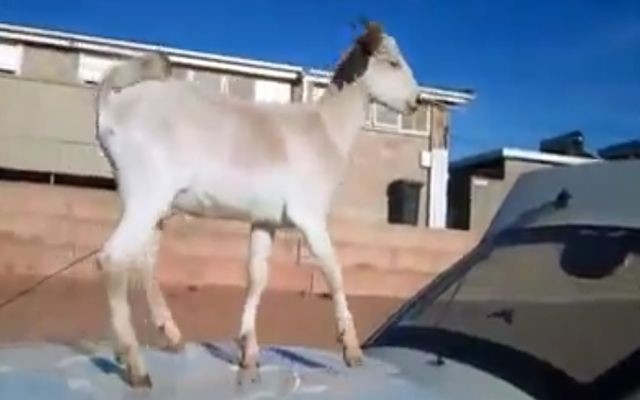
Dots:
pixel 200 59
pixel 427 93
pixel 511 153
pixel 129 48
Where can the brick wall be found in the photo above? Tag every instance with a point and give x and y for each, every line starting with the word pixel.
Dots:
pixel 43 228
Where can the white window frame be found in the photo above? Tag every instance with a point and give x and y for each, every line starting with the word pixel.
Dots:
pixel 264 90
pixel 270 91
pixel 190 75
pixel 317 92
pixel 11 56
pixel 373 123
pixel 91 67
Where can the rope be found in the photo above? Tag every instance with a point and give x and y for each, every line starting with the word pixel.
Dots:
pixel 42 281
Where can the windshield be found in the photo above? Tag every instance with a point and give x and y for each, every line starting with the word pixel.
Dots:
pixel 555 307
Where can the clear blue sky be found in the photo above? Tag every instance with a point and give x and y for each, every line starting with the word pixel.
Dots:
pixel 539 67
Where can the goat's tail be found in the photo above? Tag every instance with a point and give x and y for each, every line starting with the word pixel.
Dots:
pixel 151 66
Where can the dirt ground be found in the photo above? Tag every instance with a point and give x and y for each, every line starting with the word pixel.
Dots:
pixel 70 310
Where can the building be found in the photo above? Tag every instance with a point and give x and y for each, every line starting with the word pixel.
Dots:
pixel 47 81
pixel 478 184
pixel 629 150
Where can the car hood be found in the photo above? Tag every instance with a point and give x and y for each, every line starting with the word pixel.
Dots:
pixel 201 371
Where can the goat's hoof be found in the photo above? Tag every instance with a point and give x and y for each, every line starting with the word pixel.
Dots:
pixel 172 337
pixel 353 356
pixel 119 357
pixel 138 381
pixel 248 352
pixel 176 347
pixel 248 362
pixel 248 374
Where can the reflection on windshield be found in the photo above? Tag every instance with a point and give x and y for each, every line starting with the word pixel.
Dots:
pixel 568 297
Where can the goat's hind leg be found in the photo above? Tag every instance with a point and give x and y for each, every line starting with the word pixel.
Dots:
pixel 124 256
pixel 160 312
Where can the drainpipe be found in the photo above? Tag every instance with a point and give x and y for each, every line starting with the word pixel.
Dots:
pixel 305 90
pixel 439 168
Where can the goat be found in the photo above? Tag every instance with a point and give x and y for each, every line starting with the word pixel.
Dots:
pixel 175 147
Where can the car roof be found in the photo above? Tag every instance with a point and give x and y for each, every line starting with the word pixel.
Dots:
pixel 594 194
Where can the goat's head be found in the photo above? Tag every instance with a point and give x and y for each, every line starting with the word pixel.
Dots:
pixel 377 61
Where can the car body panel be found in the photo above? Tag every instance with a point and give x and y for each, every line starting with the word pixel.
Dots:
pixel 447 378
pixel 205 371
pixel 201 371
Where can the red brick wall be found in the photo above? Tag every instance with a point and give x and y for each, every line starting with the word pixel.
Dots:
pixel 43 228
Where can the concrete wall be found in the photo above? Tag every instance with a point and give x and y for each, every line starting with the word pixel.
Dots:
pixel 44 227
pixel 48 126
pixel 486 199
pixel 377 160
pixel 476 207
pixel 51 65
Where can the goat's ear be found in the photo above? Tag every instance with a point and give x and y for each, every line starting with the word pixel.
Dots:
pixel 371 39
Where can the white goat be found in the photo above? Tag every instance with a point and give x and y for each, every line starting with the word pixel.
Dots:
pixel 176 147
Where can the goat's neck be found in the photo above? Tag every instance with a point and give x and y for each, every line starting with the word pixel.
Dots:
pixel 343 111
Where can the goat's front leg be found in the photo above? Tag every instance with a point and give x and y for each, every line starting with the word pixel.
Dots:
pixel 259 251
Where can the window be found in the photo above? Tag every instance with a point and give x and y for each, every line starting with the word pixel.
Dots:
pixel 415 122
pixel 383 118
pixel 91 68
pixel 317 92
pixel 180 73
pixel 240 87
pixel 209 80
pixel 10 58
pixel 272 92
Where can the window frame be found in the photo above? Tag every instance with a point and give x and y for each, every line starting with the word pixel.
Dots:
pixel 261 87
pixel 373 124
pixel 11 58
pixel 92 67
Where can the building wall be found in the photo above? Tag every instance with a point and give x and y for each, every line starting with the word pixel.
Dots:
pixel 48 126
pixel 51 65
pixel 485 194
pixel 48 116
pixel 376 161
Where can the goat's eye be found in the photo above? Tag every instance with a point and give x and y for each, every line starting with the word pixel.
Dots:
pixel 394 63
